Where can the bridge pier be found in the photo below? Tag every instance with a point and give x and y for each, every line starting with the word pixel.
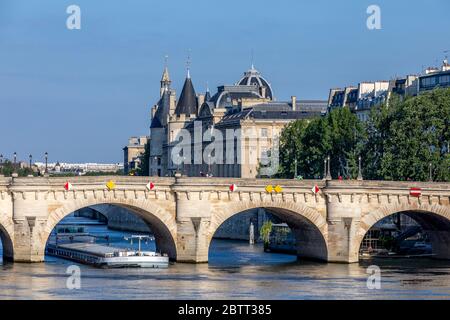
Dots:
pixel 29 241
pixel 343 218
pixel 342 247
pixel 193 220
pixel 440 240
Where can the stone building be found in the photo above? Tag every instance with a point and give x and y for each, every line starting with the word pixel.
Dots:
pixel 362 98
pixel 133 152
pixel 247 106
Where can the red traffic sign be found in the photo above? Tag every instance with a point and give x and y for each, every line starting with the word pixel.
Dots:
pixel 315 189
pixel 150 186
pixel 415 192
pixel 68 186
pixel 233 187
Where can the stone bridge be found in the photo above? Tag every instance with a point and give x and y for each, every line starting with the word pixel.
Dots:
pixel 184 213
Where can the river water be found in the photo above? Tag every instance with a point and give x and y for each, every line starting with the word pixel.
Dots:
pixel 236 270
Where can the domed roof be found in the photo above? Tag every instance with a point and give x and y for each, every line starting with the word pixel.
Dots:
pixel 254 77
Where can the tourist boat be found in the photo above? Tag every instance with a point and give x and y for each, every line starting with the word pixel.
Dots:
pixel 109 257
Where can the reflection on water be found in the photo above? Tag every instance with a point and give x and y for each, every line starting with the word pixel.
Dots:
pixel 236 270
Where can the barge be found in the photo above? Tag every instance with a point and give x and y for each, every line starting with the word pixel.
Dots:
pixel 104 256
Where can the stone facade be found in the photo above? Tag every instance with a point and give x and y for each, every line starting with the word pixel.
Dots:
pixel 248 106
pixel 185 213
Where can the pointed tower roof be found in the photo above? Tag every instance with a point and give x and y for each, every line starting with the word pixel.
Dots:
pixel 165 76
pixel 163 106
pixel 187 104
pixel 207 94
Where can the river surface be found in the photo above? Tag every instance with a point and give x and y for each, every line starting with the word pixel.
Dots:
pixel 236 270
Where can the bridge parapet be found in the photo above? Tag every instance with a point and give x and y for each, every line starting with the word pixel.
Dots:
pixel 189 210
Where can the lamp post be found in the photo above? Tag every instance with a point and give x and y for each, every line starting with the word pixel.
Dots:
pixel 328 169
pixel 431 172
pixel 31 159
pixel 295 165
pixel 325 169
pixel 46 163
pixel 360 177
pixel 209 165
pixel 14 163
pixel 1 164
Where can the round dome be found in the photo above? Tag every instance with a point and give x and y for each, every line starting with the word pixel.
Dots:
pixel 253 77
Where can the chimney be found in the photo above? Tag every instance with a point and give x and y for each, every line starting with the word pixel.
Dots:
pixel 200 101
pixel 294 103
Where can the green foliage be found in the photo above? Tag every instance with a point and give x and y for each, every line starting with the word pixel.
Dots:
pixel 144 168
pixel 405 137
pixel 339 134
pixel 398 142
pixel 265 231
pixel 7 168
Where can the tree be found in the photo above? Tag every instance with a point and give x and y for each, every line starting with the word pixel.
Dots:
pixel 291 145
pixel 339 135
pixel 144 167
pixel 407 137
pixel 7 168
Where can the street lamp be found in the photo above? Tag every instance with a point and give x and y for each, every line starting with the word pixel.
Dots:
pixel 360 177
pixel 31 159
pixel 295 163
pixel 209 165
pixel 431 171
pixel 46 162
pixel 15 158
pixel 328 169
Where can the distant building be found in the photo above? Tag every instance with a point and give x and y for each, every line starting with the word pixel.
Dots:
pixel 78 168
pixel 435 78
pixel 133 152
pixel 248 104
pixel 362 98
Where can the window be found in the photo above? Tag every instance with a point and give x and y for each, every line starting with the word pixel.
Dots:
pixel 264 132
pixel 444 79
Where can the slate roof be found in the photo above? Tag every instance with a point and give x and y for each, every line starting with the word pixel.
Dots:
pixel 187 104
pixel 160 118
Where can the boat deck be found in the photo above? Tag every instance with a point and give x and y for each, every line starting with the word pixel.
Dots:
pixel 92 248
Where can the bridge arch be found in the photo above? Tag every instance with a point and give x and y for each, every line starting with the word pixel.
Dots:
pixel 434 219
pixel 6 236
pixel 161 222
pixel 308 225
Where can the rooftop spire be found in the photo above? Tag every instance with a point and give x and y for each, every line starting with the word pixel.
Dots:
pixel 207 94
pixel 165 79
pixel 188 65
pixel 253 61
pixel 165 76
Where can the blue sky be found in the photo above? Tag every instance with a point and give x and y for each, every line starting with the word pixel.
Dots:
pixel 79 94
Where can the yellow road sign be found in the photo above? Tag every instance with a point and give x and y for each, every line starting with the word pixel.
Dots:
pixel 278 189
pixel 110 185
pixel 269 188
